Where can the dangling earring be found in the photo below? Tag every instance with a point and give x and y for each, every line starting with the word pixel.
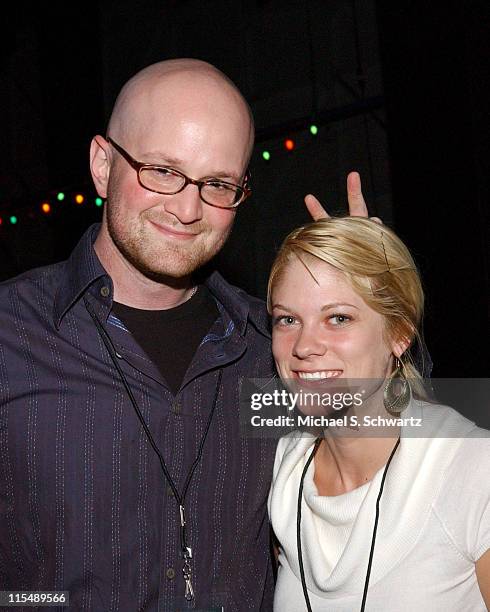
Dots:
pixel 397 392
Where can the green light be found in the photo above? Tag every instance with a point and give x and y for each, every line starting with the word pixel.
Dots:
pixel 266 155
pixel 60 197
pixel 99 201
pixel 13 219
pixel 313 130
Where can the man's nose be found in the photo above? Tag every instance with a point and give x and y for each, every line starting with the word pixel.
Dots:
pixel 309 343
pixel 186 205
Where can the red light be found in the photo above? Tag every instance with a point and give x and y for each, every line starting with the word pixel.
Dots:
pixel 79 199
pixel 46 207
pixel 289 144
pixel 1 220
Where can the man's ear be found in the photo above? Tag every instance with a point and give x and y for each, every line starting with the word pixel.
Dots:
pixel 100 164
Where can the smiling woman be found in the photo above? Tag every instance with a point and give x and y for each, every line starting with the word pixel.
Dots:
pixel 347 275
pixel 346 302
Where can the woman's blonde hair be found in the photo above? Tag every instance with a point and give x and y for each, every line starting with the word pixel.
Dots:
pixel 378 266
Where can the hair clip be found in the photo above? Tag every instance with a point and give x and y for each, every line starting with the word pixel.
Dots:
pixel 384 251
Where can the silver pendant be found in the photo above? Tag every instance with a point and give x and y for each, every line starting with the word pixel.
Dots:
pixel 187 571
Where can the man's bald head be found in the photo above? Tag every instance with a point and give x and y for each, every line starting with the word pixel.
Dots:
pixel 180 83
pixel 187 116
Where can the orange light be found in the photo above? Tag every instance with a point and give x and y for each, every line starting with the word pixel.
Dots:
pixel 46 207
pixel 1 220
pixel 289 144
pixel 79 199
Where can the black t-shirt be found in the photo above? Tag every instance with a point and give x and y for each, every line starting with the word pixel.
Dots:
pixel 171 337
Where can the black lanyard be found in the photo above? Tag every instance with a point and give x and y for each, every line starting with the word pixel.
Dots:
pixel 180 499
pixel 373 539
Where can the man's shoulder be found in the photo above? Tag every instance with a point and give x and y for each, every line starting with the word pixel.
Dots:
pixel 257 311
pixel 241 304
pixel 256 305
pixel 43 280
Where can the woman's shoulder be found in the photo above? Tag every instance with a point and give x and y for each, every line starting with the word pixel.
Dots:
pixel 290 453
pixel 462 504
pixel 470 465
pixel 440 421
pixel 291 448
pixel 295 441
pixel 469 444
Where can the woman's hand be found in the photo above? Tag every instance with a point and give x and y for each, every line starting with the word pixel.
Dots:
pixel 357 205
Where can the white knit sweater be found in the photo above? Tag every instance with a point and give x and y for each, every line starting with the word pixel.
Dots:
pixel 434 524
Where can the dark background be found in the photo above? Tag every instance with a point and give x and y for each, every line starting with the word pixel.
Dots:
pixel 399 90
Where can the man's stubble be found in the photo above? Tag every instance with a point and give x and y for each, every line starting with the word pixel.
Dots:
pixel 159 259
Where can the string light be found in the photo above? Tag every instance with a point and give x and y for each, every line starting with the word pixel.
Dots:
pixel 46 207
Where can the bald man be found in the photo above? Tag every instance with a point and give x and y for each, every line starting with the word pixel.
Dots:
pixel 124 480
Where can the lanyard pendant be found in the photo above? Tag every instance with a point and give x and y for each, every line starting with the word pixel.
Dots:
pixel 189 591
pixel 187 554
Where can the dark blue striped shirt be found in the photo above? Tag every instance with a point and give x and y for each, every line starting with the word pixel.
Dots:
pixel 84 506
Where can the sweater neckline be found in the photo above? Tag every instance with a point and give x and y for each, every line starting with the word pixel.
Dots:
pixel 412 485
pixel 336 509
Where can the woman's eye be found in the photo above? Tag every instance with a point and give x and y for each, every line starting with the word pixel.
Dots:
pixel 339 319
pixel 285 320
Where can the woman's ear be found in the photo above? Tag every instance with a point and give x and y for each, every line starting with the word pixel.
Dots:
pixel 100 164
pixel 399 346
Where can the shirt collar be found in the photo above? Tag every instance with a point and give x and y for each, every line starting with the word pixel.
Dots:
pixel 241 307
pixel 83 271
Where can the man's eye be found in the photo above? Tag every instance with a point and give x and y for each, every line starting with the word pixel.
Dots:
pixel 217 186
pixel 163 172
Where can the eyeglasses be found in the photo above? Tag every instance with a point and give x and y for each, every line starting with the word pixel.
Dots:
pixel 168 181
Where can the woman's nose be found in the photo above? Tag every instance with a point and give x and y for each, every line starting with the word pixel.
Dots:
pixel 309 343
